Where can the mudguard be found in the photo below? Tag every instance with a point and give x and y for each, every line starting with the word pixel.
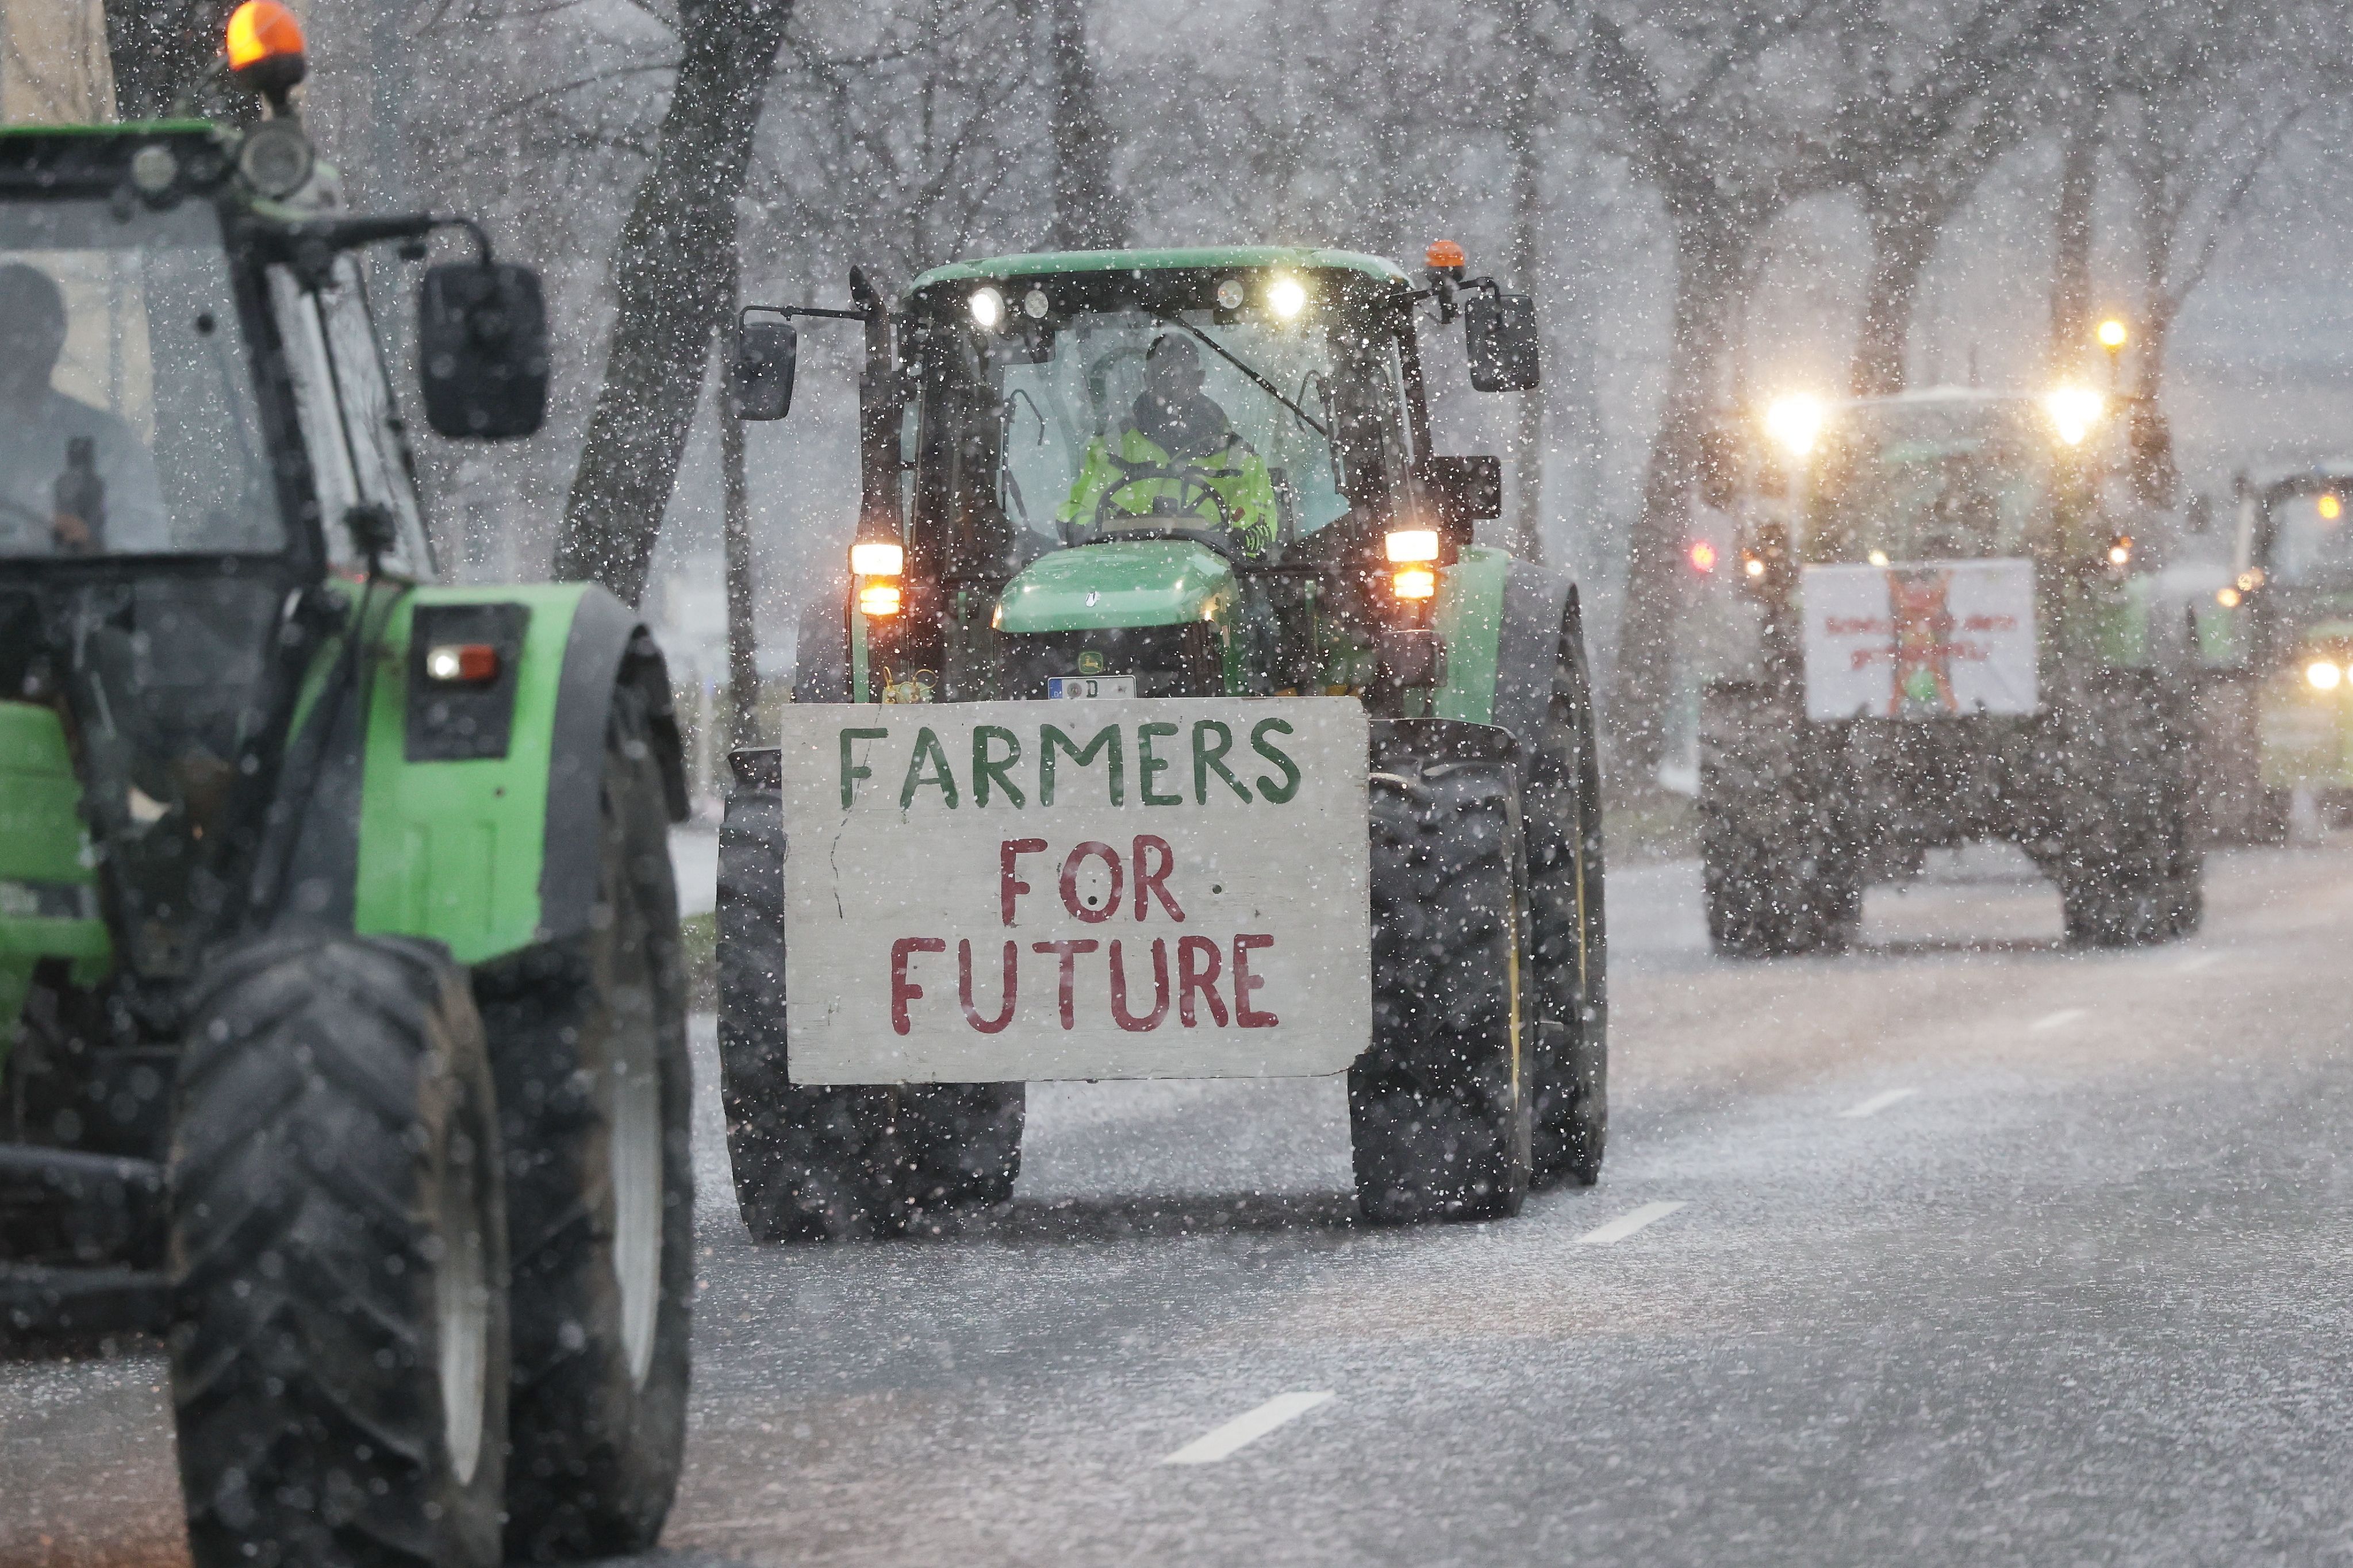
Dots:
pixel 1504 621
pixel 486 853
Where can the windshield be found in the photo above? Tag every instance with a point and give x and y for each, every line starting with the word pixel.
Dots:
pixel 127 415
pixel 1111 418
pixel 1930 482
pixel 2310 542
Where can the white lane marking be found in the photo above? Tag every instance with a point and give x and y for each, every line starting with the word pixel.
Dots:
pixel 2197 961
pixel 1212 1447
pixel 1626 1225
pixel 2059 1020
pixel 1879 1102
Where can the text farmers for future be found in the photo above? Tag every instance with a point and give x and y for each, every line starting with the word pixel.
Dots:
pixel 1096 883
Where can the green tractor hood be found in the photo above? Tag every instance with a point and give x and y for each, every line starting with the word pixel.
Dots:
pixel 1138 583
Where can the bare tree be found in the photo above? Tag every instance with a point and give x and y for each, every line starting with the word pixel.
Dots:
pixel 1726 153
pixel 668 294
pixel 2210 92
pixel 160 49
pixel 1920 121
pixel 1090 212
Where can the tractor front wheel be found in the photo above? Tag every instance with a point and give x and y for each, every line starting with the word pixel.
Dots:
pixel 819 1163
pixel 340 1251
pixel 594 1093
pixel 1440 1108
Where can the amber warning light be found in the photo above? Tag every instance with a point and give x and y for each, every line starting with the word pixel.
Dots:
pixel 265 48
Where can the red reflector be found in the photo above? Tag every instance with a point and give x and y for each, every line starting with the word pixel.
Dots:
pixel 463 663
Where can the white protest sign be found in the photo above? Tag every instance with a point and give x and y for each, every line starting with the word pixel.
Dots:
pixel 1920 638
pixel 1155 887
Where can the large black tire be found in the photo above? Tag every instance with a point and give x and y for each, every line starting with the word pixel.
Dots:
pixel 1779 878
pixel 1439 1107
pixel 595 1096
pixel 338 1242
pixel 1569 1059
pixel 2131 868
pixel 818 1162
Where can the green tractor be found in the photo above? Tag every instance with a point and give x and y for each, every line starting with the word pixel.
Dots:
pixel 1948 641
pixel 345 1033
pixel 1173 727
pixel 2278 648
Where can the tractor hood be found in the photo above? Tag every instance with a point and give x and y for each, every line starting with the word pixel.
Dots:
pixel 1137 583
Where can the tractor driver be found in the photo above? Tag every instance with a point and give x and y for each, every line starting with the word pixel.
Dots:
pixel 74 479
pixel 1178 443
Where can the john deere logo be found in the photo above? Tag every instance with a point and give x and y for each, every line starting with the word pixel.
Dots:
pixel 1089 662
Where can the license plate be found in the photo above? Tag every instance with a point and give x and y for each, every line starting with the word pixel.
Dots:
pixel 1058 686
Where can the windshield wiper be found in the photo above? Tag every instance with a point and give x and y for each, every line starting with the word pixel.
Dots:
pixel 1262 383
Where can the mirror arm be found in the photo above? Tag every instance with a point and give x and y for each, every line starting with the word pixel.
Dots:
pixel 316 242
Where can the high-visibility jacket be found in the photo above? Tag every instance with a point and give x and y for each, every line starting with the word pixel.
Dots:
pixel 1139 474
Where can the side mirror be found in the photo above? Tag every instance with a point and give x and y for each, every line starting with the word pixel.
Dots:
pixel 481 343
pixel 1501 330
pixel 1464 491
pixel 760 376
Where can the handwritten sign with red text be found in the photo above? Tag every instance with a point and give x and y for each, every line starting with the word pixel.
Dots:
pixel 1916 639
pixel 1157 888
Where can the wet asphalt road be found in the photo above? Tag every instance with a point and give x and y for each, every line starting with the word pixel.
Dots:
pixel 1987 1252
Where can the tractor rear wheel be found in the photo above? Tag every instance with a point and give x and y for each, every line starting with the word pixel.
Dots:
pixel 339 1249
pixel 1779 881
pixel 594 1095
pixel 819 1163
pixel 1438 1107
pixel 1568 959
pixel 2131 872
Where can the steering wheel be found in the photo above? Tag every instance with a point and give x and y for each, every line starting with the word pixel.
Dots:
pixel 1193 488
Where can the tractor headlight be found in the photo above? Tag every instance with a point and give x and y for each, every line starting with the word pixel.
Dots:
pixel 988 308
pixel 1286 297
pixel 1410 546
pixel 2074 410
pixel 2322 674
pixel 1795 421
pixel 878 559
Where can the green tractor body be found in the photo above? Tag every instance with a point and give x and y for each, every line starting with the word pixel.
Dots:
pixel 2278 645
pixel 1946 639
pixel 338 949
pixel 1173 725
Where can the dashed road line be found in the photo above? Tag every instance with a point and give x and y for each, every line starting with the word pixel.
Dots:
pixel 1626 1225
pixel 1878 1102
pixel 1209 1448
pixel 2059 1020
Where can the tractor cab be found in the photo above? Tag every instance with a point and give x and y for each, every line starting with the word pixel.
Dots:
pixel 1192 472
pixel 198 442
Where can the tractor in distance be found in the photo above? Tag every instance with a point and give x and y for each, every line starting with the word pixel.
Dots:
pixel 1944 637
pixel 2278 641
pixel 344 1035
pixel 1174 726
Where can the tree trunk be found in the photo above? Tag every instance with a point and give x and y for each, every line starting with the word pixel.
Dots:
pixel 1525 536
pixel 2071 273
pixel 1712 246
pixel 1089 214
pixel 1904 229
pixel 159 50
pixel 735 538
pixel 670 292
